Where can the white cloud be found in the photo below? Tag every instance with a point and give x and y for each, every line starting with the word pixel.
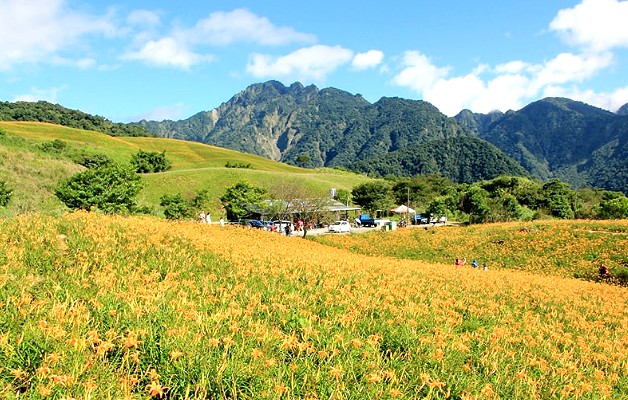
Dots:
pixel 370 59
pixel 597 25
pixel 506 86
pixel 512 67
pixel 314 62
pixel 177 49
pixel 33 31
pixel 143 18
pixel 567 67
pixel 418 73
pixel 167 52
pixel 606 100
pixel 50 95
pixel 172 112
pixel 240 25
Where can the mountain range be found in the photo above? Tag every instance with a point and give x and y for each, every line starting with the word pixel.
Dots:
pixel 303 125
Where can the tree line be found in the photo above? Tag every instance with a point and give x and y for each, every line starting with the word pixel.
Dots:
pixel 111 187
pixel 42 111
pixel 505 198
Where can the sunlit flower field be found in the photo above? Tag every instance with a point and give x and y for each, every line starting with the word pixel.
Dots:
pixel 98 307
pixel 553 247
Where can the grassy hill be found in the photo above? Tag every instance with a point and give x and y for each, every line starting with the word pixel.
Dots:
pixel 139 307
pixel 33 172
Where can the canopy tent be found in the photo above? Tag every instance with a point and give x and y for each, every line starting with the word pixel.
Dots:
pixel 403 209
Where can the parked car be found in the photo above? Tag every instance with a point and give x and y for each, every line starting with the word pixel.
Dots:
pixel 255 223
pixel 420 219
pixel 339 226
pixel 251 223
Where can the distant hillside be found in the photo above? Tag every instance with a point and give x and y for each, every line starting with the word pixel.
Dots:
pixel 461 159
pixel 558 137
pixel 477 123
pixel 33 172
pixel 43 111
pixel 329 127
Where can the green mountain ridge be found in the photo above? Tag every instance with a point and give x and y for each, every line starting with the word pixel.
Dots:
pixel 566 139
pixel 549 138
pixel 329 127
pixel 310 127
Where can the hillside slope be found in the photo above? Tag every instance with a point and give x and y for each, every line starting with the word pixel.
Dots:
pixel 195 166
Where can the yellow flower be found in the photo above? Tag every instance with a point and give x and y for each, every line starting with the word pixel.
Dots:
pixel 131 340
pixel 256 353
pixel 154 389
pixel 335 372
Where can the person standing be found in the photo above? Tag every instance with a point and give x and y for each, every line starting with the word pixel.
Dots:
pixel 208 218
pixel 201 217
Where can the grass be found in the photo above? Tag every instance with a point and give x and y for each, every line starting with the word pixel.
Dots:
pixel 195 166
pixel 112 307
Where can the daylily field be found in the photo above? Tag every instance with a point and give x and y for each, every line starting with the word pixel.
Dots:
pixel 101 307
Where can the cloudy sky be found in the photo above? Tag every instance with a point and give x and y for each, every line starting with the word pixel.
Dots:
pixel 161 59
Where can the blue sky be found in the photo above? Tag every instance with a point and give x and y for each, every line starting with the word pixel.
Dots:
pixel 159 59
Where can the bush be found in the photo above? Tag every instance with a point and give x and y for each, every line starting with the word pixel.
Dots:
pixel 147 162
pixel 175 206
pixel 234 164
pixel 54 146
pixel 110 189
pixel 5 194
pixel 93 160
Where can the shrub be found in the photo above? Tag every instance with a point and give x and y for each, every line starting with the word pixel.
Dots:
pixel 93 160
pixel 54 146
pixel 150 161
pixel 175 206
pixel 235 164
pixel 5 194
pixel 110 189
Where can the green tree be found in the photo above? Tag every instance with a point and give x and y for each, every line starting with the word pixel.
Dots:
pixel 557 198
pixel 343 196
pixel 150 161
pixel 475 203
pixel 614 208
pixel 373 196
pixel 5 194
pixel 438 206
pixel 243 198
pixel 200 200
pixel 303 160
pixel 110 189
pixel 175 206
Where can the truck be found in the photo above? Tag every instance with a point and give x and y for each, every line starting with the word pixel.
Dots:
pixel 366 220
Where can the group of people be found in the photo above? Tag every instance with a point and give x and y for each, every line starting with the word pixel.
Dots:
pixel 461 262
pixel 206 218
